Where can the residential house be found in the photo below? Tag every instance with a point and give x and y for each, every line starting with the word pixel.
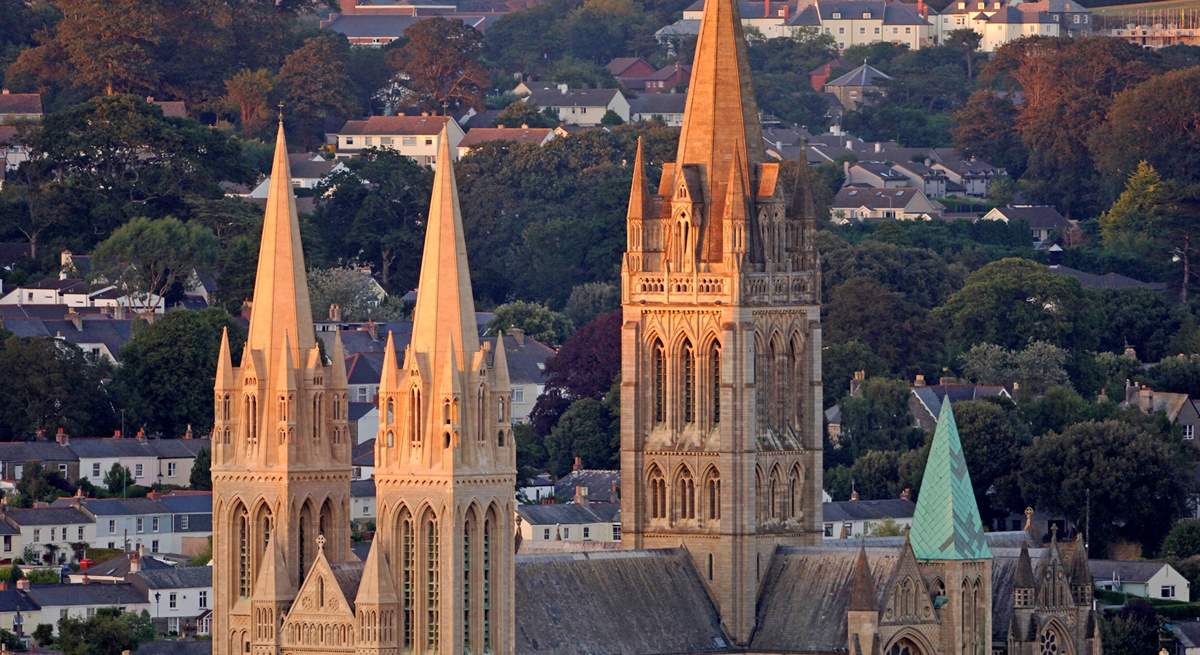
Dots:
pixel 362 375
pixel 1143 578
pixel 191 520
pixel 308 171
pixel 362 500
pixel 859 204
pixel 118 568
pixel 599 485
pixel 56 602
pixel 876 174
pixel 13 151
pixel 862 518
pixel 178 596
pixel 415 137
pixel 1044 220
pixel 364 421
pixel 127 523
pixel 668 78
pixel 925 401
pixel 537 488
pixel 848 22
pixel 376 30
pixel 150 461
pixel 74 293
pixel 1103 280
pixel 52 455
pixel 930 181
pixel 665 107
pixel 169 108
pixel 540 525
pixel 19 107
pixel 526 371
pixel 98 335
pixel 11 546
pixel 1000 21
pixel 584 107
pixel 858 86
pixel 362 460
pixel 966 175
pixel 630 72
pixel 16 608
pixel 48 530
pixel 477 136
pixel 1179 408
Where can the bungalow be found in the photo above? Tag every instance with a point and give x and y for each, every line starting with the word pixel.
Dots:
pixel 415 137
pixel 307 172
pixel 1043 220
pixel 858 86
pixel 861 204
pixel 665 107
pixel 1142 578
pixel 861 518
pixel 585 107
pixel 477 136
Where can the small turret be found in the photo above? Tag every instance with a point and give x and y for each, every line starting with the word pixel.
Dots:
pixel 376 606
pixel 1024 583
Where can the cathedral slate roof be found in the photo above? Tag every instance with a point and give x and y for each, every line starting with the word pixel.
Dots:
pixel 614 602
pixel 348 576
pixel 946 523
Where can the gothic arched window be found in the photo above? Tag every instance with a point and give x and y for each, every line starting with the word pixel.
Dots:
pixel 658 494
pixel 391 411
pixel 468 526
pixel 241 522
pixel 685 495
pixel 714 382
pixel 712 493
pixel 489 542
pixel 432 587
pixel 481 407
pixel 414 409
pixel 687 367
pixel 660 382
pixel 408 572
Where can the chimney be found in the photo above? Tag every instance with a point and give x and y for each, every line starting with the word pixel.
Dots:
pixel 878 147
pixel 3 585
pixel 335 312
pixel 581 494
pixel 578 465
pixel 563 88
pixel 40 435
pixel 152 494
pixel 75 319
pixel 141 433
pixel 118 312
pixel 856 382
pixel 135 560
pixel 614 491
pixel 906 494
pixel 854 495
pixel 517 334
pixel 116 434
pixel 919 380
pixel 23 584
pixel 187 434
pixel 61 437
pixel 787 11
pixel 766 8
pixel 373 330
pixel 1145 399
pixel 150 99
pixel 849 144
pixel 4 91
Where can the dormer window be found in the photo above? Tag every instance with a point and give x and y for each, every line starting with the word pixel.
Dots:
pixel 837 15
pixel 866 14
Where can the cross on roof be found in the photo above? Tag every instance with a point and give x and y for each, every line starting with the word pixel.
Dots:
pixel 321 541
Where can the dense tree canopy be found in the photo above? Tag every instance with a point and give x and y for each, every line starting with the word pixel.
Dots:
pixel 53 384
pixel 439 63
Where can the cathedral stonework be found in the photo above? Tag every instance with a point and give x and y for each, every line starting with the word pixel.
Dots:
pixel 721 341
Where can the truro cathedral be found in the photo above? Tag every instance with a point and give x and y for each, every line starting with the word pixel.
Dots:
pixel 720 455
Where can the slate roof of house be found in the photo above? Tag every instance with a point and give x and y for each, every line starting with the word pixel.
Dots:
pixel 807 16
pixel 363 454
pixel 946 523
pixel 36 451
pixel 305 166
pixel 116 506
pixel 857 196
pixel 480 135
pixel 171 108
pixel 658 103
pixel 1106 280
pixel 553 97
pixel 527 360
pixel 363 368
pixel 177 577
pixel 46 516
pixel 359 410
pixel 865 75
pixel 805 594
pixel 1186 632
pixel 621 64
pixel 667 72
pixel 614 602
pixel 1014 16
pixel 372 26
pixel 187 502
pixel 118 567
pixel 954 160
pixel 59 595
pixel 892 13
pixel 569 513
pixel 13 600
pixel 599 483
pixel 108 447
pixel 418 125
pixel 931 397
pixel 97 329
pixel 362 488
pixel 881 169
pixel 20 103
pixel 1125 570
pixel 867 510
pixel 1038 216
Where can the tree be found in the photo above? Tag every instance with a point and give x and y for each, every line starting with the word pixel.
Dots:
pixel 43 634
pixel 1013 301
pixel 249 92
pixel 1033 370
pixel 875 475
pixel 352 290
pixel 839 363
pixel 919 275
pixel 1151 218
pixel 201 476
pixel 1183 541
pixel 586 366
pixel 39 484
pixel 57 385
pixel 374 211
pixel 1057 409
pixel 439 64
pixel 1133 471
pixel 984 128
pixel 590 429
pixel 145 257
pixel 900 332
pixel 109 631
pixel 1177 374
pixel 878 419
pixel 118 480
pixel 522 114
pixel 611 118
pixel 966 40
pixel 1132 630
pixel 315 85
pixel 993 436
pixel 591 299
pixel 168 368
pixel 1139 129
pixel 536 320
pixel 1138 318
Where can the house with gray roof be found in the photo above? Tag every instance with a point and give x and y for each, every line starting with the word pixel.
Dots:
pixel 925 401
pixel 584 107
pixel 128 523
pixel 1142 578
pixel 1044 221
pixel 362 499
pixel 541 526
pixel 15 456
pixel 56 602
pixel 178 596
pixel 863 204
pixel 966 175
pixel 150 461
pixel 47 531
pixel 308 170
pixel 858 86
pixel 598 485
pixel 875 174
pixel 858 518
pixel 665 107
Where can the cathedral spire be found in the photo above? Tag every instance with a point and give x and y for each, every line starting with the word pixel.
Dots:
pixel 444 317
pixel 224 363
pixel 946 523
pixel 281 286
pixel 862 585
pixel 377 586
pixel 720 116
pixel 639 193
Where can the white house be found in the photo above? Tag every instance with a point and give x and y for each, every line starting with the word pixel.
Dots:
pixel 584 107
pixel 570 522
pixel 56 602
pixel 1143 578
pixel 477 136
pixel 178 596
pixel 1043 220
pixel 858 204
pixel 999 21
pixel 307 172
pixel 43 530
pixel 150 461
pixel 861 518
pixel 128 523
pixel 362 500
pixel 415 137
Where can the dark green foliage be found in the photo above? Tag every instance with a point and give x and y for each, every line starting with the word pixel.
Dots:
pixel 590 429
pixel 586 366
pixel 920 275
pixel 1183 541
pixel 1179 374
pixel 1137 318
pixel 902 334
pixel 839 362
pixel 39 484
pixel 993 437
pixel 1131 630
pixel 536 320
pixel 108 632
pixel 52 383
pixel 878 419
pixel 165 380
pixel 119 480
pixel 201 475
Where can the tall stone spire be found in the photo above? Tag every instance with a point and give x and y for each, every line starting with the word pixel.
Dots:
pixel 862 585
pixel 946 523
pixel 720 116
pixel 639 193
pixel 281 286
pixel 444 317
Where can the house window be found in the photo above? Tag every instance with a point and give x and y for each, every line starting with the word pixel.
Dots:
pixel 409 141
pixel 141 525
pixel 8 543
pixel 385 140
pixel 172 600
pixel 1189 432
pixel 62 469
pixel 366 509
pixel 428 142
pixel 137 470
pixel 349 140
pixel 848 528
pixel 170 469
pixel 154 524
pixel 546 534
pixel 96 469
pixel 566 533
pixel 837 15
pixel 908 30
pixel 112 525
pixel 1167 591
pixel 37 535
pixel 518 395
pixel 183 522
pixel 362 394
pixel 616 531
pixel 203 599
pixel 62 614
pixel 79 533
pixel 587 533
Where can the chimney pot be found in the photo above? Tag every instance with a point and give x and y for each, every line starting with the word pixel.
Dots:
pixel 23 584
pixel 4 91
pixel 578 465
pixel 919 380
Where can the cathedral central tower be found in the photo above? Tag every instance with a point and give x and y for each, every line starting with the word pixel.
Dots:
pixel 721 342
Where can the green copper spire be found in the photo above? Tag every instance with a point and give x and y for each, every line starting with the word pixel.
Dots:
pixel 946 523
